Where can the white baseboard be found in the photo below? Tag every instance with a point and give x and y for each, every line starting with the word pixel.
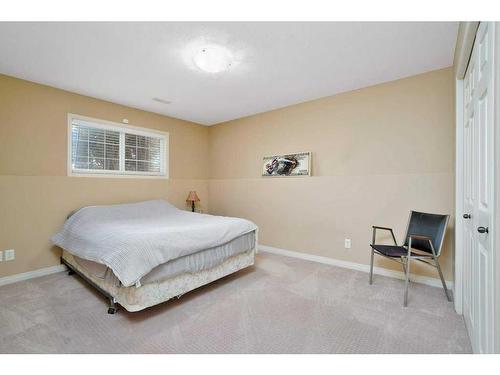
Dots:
pixel 32 274
pixel 431 281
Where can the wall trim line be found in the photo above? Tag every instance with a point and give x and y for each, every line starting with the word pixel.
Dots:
pixel 11 279
pixel 426 280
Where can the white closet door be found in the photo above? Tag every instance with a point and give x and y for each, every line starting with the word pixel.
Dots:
pixel 478 191
pixel 469 189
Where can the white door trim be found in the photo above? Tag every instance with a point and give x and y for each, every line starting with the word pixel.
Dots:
pixel 496 195
pixel 458 270
pixel 463 48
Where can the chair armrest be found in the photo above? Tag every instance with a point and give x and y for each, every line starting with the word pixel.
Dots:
pixel 383 228
pixel 375 227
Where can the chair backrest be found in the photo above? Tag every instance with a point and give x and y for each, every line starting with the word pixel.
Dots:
pixel 429 225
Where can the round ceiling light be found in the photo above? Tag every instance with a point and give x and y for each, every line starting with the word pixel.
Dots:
pixel 213 58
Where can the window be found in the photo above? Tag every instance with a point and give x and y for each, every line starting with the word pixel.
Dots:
pixel 103 148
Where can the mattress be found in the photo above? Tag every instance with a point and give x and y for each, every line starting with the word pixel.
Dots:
pixel 192 263
pixel 133 239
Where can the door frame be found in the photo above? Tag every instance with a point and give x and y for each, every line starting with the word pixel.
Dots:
pixel 496 213
pixel 465 41
pixel 459 195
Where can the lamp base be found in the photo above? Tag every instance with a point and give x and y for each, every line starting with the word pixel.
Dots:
pixel 192 206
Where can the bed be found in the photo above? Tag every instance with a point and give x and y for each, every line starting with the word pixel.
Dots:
pixel 141 254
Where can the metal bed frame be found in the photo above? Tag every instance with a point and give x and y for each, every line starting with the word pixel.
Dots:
pixel 71 271
pixel 113 306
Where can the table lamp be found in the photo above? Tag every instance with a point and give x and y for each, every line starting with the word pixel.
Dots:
pixel 192 197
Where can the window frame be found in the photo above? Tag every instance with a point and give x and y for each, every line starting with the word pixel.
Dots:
pixel 122 129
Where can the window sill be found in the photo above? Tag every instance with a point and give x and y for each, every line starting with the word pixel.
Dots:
pixel 117 175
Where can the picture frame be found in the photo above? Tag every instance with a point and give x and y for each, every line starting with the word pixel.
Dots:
pixel 297 164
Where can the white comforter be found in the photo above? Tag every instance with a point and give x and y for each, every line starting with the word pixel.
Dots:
pixel 132 239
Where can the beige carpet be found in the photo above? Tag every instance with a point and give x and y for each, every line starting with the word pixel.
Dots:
pixel 282 305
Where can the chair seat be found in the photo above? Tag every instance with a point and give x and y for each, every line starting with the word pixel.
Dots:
pixel 393 251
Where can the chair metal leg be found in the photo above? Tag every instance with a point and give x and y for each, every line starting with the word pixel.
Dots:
pixel 371 268
pixel 448 296
pixel 407 280
pixel 404 269
pixel 374 237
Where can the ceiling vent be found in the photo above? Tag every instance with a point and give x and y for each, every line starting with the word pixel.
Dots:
pixel 162 101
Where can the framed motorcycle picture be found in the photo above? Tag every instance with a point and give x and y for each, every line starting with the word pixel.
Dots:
pixel 287 165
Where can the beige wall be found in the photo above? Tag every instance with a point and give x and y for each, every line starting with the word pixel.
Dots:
pixel 377 153
pixel 36 194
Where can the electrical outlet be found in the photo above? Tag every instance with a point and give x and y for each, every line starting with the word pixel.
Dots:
pixel 10 254
pixel 347 243
pixel 1 256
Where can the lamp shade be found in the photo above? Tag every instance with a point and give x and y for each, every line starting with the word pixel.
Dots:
pixel 192 197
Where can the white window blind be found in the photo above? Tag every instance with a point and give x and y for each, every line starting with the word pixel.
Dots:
pixel 95 149
pixel 142 153
pixel 109 148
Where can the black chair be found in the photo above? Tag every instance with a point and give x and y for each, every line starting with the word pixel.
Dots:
pixel 423 242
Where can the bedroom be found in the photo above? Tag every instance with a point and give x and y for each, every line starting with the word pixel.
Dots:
pixel 228 187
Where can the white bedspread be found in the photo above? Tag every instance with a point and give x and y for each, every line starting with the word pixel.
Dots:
pixel 132 239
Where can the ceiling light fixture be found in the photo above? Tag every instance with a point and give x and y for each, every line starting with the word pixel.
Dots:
pixel 213 58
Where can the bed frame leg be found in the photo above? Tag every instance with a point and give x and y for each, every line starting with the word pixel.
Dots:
pixel 112 306
pixel 71 272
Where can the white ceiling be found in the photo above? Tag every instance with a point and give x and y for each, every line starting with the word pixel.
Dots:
pixel 278 64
